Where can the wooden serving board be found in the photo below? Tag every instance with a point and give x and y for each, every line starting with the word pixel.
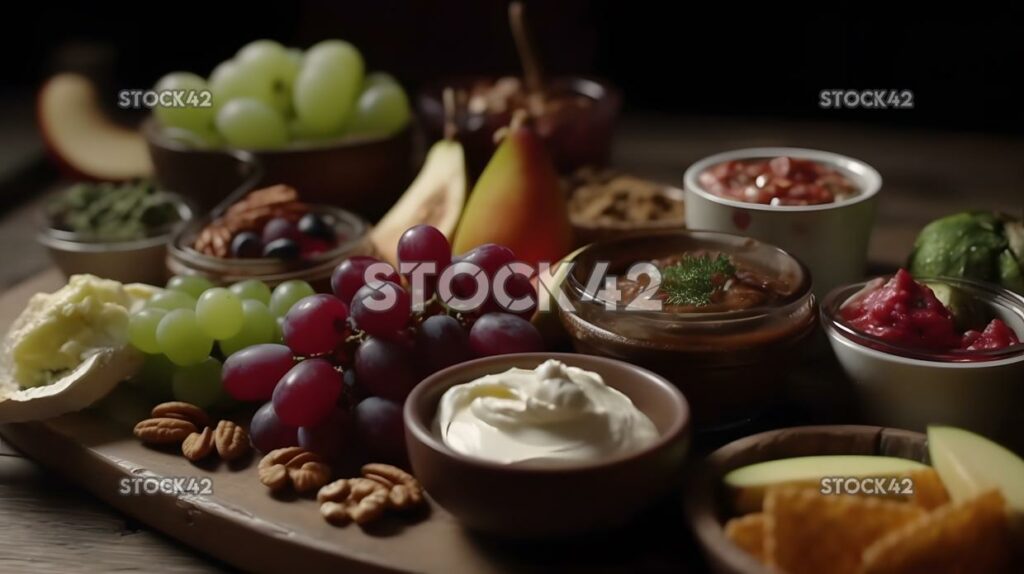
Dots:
pixel 240 523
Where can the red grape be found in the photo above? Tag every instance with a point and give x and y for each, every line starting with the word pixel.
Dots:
pixel 490 257
pixel 308 393
pixel 425 244
pixel 350 275
pixel 246 244
pixel 386 321
pixel 252 373
pixel 315 325
pixel 330 437
pixel 267 432
pixel 280 228
pixel 385 369
pixel 381 430
pixel 442 342
pixel 504 333
pixel 313 225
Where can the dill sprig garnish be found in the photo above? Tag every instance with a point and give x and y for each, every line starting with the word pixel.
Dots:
pixel 694 279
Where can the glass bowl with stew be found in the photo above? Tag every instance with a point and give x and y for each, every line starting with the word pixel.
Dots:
pixel 817 205
pixel 720 315
pixel 923 351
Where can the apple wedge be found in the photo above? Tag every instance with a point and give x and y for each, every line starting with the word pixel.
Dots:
pixel 970 464
pixel 747 485
pixel 82 138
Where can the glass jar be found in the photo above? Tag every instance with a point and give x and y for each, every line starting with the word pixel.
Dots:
pixel 730 364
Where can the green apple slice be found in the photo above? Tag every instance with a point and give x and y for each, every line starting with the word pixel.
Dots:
pixel 970 464
pixel 748 484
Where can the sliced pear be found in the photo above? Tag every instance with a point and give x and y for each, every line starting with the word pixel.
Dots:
pixel 82 138
pixel 89 382
pixel 436 197
pixel 970 464
pixel 748 484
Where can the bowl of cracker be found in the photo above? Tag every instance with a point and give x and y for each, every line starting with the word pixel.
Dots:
pixel 859 499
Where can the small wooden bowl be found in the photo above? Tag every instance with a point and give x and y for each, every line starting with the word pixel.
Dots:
pixel 365 175
pixel 529 500
pixel 705 501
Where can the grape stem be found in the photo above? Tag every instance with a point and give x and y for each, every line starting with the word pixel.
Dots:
pixel 448 99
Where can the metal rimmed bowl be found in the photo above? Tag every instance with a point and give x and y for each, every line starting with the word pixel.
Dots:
pixel 133 260
pixel 351 229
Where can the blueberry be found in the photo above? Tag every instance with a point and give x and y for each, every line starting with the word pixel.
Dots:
pixel 246 244
pixel 313 225
pixel 282 249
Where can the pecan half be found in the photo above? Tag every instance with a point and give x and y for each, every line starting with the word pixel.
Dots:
pixel 231 440
pixel 404 491
pixel 181 410
pixel 164 430
pixel 303 470
pixel 198 445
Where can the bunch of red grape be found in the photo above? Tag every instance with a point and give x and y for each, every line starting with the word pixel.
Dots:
pixel 351 358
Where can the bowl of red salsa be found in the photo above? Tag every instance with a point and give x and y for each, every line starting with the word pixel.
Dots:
pixel 817 205
pixel 931 351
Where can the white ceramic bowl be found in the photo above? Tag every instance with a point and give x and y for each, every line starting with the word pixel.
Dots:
pixel 830 238
pixel 911 389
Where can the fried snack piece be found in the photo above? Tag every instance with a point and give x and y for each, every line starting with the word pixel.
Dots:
pixel 747 532
pixel 929 493
pixel 972 536
pixel 807 532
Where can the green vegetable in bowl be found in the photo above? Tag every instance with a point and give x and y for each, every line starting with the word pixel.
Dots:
pixel 114 212
pixel 984 246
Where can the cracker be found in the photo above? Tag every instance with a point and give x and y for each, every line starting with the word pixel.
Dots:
pixel 929 493
pixel 807 532
pixel 972 536
pixel 747 532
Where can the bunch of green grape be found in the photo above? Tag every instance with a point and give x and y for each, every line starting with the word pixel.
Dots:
pixel 191 326
pixel 269 95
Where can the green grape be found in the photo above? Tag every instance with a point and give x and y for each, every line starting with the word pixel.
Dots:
pixel 287 294
pixel 154 378
pixel 378 79
pixel 190 117
pixel 382 109
pixel 219 313
pixel 235 79
pixel 299 131
pixel 327 86
pixel 272 61
pixel 181 339
pixel 199 384
pixel 170 300
pixel 192 285
pixel 259 327
pixel 251 124
pixel 252 289
pixel 142 329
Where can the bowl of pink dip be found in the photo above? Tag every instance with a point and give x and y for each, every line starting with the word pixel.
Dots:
pixel 931 351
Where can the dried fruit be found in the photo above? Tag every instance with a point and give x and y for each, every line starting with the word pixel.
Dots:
pixel 198 445
pixel 164 430
pixel 231 440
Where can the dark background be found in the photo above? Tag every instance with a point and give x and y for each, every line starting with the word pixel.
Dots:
pixel 964 72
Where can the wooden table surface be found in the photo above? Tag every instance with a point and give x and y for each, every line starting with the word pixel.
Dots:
pixel 50 525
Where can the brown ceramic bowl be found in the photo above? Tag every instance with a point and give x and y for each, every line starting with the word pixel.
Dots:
pixel 529 500
pixel 705 496
pixel 365 175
